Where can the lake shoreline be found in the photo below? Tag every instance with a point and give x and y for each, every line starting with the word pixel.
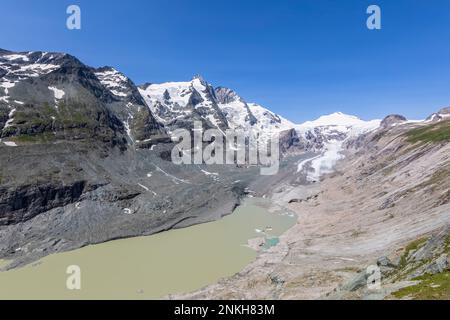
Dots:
pixel 279 200
pixel 156 266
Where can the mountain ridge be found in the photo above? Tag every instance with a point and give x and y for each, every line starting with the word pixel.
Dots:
pixel 83 144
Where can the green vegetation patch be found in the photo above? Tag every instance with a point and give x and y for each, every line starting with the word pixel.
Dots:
pixel 431 287
pixel 74 115
pixel 437 132
pixel 403 267
pixel 44 137
pixel 413 246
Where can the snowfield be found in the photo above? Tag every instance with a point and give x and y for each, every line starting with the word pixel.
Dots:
pixel 336 128
pixel 59 94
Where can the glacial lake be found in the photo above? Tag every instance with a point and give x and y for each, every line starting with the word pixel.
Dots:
pixel 152 267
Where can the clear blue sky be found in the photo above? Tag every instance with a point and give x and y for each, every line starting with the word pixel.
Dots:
pixel 299 58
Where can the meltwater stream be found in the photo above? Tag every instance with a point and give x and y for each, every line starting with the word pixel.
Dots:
pixel 152 267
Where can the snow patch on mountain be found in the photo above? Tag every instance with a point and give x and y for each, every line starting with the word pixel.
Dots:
pixel 15 67
pixel 10 118
pixel 58 93
pixel 12 57
pixel 251 118
pixel 114 81
pixel 267 120
pixel 10 144
pixel 35 70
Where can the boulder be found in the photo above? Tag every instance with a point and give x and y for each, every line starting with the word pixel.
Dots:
pixel 385 262
pixel 440 265
pixel 356 283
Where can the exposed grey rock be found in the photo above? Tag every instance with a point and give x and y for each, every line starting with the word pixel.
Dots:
pixel 276 280
pixel 27 201
pixel 392 119
pixel 385 262
pixel 444 111
pixel 129 106
pixel 388 203
pixel 439 265
pixel 357 282
pixel 433 246
pixel 290 142
pixel 226 95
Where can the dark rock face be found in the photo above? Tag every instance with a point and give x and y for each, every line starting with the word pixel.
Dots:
pixel 24 203
pixel 225 95
pixel 127 103
pixel 195 98
pixel 289 140
pixel 392 119
pixel 315 139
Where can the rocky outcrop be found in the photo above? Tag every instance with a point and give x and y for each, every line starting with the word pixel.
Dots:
pixel 290 142
pixel 444 111
pixel 392 120
pixel 129 106
pixel 27 201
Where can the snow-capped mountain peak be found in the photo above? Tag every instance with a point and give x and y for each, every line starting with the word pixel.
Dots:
pixel 178 104
pixel 339 122
pixel 336 119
